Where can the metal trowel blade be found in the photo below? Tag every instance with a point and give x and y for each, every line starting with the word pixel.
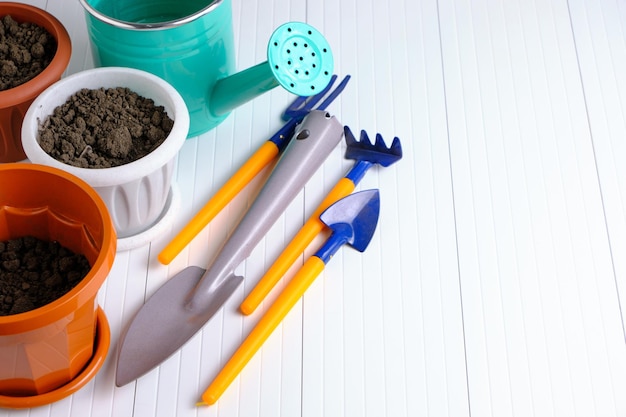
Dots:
pixel 164 324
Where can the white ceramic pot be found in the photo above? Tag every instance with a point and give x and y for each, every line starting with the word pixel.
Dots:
pixel 137 194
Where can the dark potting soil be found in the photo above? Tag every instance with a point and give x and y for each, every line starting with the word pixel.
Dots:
pixel 104 128
pixel 35 272
pixel 25 51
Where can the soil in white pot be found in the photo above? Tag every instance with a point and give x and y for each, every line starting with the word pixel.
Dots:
pixel 103 128
pixel 35 272
pixel 26 49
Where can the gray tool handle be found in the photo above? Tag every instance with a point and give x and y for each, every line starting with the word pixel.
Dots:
pixel 318 134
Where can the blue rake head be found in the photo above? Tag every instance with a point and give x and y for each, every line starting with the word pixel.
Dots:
pixel 376 153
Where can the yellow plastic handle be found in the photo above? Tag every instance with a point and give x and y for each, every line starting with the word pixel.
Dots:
pixel 260 159
pixel 274 315
pixel 294 249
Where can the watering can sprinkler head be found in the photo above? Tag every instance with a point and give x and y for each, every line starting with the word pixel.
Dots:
pixel 298 58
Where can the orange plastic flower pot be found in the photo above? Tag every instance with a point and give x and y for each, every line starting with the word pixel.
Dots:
pixel 15 102
pixel 45 352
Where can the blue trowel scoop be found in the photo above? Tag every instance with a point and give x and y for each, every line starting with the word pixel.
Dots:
pixel 352 221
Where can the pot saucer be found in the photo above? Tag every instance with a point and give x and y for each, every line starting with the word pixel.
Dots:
pixel 172 204
pixel 101 348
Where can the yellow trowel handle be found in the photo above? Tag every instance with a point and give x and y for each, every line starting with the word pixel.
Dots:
pixel 260 159
pixel 272 318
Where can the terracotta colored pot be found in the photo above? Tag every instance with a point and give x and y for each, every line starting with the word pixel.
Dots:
pixel 15 102
pixel 47 353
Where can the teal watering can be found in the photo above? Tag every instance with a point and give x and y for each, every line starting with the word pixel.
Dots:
pixel 190 44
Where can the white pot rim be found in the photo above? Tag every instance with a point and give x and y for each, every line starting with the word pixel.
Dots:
pixel 142 83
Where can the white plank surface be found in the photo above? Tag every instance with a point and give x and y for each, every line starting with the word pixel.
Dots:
pixel 542 318
pixel 493 285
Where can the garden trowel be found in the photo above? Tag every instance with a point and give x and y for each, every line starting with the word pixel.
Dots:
pixel 352 221
pixel 177 310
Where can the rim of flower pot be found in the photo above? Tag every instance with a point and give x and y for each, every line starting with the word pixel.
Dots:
pixel 31 88
pixel 89 286
pixel 139 81
pixel 102 343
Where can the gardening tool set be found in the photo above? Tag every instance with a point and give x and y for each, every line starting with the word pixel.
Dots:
pixel 141 36
pixel 190 298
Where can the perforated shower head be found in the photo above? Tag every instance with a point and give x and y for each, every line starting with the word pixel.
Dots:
pixel 300 58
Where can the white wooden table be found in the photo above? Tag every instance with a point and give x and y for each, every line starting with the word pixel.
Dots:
pixel 495 284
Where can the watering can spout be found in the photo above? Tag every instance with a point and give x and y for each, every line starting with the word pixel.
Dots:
pixel 237 89
pixel 298 58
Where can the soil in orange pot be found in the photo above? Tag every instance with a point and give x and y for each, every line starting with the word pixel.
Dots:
pixel 104 128
pixel 35 272
pixel 25 51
